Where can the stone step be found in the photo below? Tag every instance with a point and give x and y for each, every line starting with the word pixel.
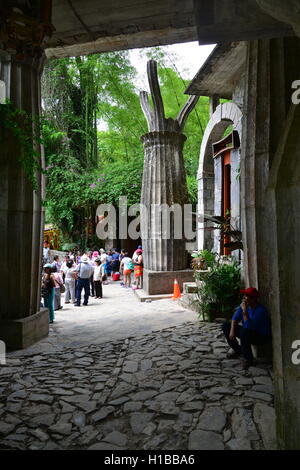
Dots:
pixel 189 287
pixel 142 296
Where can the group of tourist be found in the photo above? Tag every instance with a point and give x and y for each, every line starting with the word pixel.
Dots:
pixel 87 271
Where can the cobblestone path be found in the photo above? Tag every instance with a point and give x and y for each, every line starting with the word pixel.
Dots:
pixel 170 390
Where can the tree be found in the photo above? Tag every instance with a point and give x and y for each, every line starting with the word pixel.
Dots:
pixel 87 166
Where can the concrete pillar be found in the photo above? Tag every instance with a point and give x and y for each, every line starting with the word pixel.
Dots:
pixel 164 185
pixel 22 321
pixel 164 192
pixel 270 204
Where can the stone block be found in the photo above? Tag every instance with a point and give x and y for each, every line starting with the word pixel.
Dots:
pixel 23 332
pixel 162 282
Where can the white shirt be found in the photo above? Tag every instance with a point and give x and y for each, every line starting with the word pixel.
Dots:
pixel 85 270
pixel 97 273
pixel 103 258
pixel 126 262
pixel 69 274
pixel 64 267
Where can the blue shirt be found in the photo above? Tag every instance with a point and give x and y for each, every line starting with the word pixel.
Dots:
pixel 258 319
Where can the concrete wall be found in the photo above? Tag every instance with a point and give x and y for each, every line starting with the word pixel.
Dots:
pixel 270 183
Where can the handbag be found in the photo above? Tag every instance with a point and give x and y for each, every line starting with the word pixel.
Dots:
pixel 62 289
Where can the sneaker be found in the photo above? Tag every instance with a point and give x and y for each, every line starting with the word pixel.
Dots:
pixel 85 305
pixel 76 305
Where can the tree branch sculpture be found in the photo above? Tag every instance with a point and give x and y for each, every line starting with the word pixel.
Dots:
pixel 156 117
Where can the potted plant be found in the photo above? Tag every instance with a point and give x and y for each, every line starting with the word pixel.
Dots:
pixel 218 293
pixel 227 231
pixel 202 262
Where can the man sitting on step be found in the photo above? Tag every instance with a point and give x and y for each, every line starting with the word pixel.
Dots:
pixel 255 328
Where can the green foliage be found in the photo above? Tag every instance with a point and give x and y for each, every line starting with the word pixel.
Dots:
pixel 226 230
pixel 68 246
pixel 219 291
pixel 203 259
pixel 25 130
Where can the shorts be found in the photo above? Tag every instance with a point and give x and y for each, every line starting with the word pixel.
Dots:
pixel 127 271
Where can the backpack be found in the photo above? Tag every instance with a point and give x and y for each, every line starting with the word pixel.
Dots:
pixel 131 266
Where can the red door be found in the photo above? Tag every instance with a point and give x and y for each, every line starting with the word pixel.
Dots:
pixel 226 190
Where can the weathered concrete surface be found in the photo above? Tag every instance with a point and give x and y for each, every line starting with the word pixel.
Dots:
pixel 125 25
pixel 21 333
pixel 169 390
pixel 162 282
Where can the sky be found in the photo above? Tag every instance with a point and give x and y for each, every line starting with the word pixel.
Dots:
pixel 189 58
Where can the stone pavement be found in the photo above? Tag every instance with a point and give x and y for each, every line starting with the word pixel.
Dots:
pixel 167 390
pixel 118 315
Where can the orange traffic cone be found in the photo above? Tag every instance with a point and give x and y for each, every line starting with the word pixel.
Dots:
pixel 177 292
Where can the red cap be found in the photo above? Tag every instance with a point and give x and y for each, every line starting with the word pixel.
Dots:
pixel 251 291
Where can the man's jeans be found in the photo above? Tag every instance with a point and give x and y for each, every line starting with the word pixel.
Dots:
pixel 83 284
pixel 247 338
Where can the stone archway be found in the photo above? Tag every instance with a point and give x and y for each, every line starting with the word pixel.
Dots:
pixel 224 115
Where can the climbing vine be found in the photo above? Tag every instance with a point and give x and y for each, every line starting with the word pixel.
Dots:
pixel 26 131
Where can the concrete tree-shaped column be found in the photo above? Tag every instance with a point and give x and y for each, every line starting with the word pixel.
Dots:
pixel 164 181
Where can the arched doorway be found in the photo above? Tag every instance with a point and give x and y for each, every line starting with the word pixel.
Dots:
pixel 218 175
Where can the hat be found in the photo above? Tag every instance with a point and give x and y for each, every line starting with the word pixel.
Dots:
pixel 95 253
pixel 85 259
pixel 251 291
pixel 139 247
pixel 48 265
pixel 139 251
pixel 102 250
